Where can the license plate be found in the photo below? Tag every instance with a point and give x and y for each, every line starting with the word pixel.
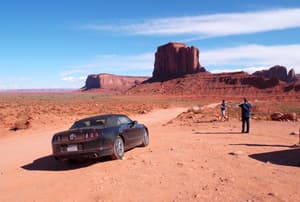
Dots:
pixel 71 148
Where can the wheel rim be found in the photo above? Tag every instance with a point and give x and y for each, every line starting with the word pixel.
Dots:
pixel 119 147
pixel 146 139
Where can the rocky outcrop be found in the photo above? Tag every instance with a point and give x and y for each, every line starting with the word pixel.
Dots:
pixel 112 82
pixel 278 72
pixel 174 60
pixel 221 85
pixel 277 116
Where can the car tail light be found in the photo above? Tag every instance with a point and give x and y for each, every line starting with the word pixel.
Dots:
pixel 91 134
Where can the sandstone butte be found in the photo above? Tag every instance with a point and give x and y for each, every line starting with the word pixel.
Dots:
pixel 174 60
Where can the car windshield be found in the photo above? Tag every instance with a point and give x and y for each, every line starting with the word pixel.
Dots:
pixel 94 122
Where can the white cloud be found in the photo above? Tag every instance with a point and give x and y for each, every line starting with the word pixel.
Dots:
pixel 246 69
pixel 73 78
pixel 251 57
pixel 136 64
pixel 72 72
pixel 211 25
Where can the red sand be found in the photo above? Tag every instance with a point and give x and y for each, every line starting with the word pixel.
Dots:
pixel 201 162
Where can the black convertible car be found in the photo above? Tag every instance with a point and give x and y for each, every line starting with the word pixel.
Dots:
pixel 98 136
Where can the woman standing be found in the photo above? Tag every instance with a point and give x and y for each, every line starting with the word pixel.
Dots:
pixel 223 110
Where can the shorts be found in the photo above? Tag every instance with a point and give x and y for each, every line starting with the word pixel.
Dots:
pixel 223 113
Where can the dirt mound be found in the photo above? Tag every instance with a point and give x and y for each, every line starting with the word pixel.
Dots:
pixel 209 113
pixel 197 114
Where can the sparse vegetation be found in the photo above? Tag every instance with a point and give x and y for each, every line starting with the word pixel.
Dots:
pixel 20 111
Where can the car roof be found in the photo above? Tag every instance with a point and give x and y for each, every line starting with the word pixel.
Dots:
pixel 102 116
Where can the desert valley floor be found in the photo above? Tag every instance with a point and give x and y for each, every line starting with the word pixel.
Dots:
pixel 205 161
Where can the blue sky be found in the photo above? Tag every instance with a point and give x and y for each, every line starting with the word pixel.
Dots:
pixel 56 44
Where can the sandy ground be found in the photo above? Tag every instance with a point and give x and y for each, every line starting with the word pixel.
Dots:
pixel 203 162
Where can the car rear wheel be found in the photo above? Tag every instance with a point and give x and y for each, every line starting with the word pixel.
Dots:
pixel 145 138
pixel 118 149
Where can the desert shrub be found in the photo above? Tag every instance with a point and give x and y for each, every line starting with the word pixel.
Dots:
pixel 22 122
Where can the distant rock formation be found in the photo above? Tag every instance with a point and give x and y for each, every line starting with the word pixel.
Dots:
pixel 221 85
pixel 175 59
pixel 292 75
pixel 112 82
pixel 279 72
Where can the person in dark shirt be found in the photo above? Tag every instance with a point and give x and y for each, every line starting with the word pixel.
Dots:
pixel 223 110
pixel 246 109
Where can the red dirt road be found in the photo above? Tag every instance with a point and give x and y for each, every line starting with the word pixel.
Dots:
pixel 204 162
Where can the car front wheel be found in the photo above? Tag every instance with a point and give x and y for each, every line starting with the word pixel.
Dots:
pixel 145 138
pixel 118 148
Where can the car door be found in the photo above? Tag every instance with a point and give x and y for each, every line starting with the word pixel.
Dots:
pixel 128 130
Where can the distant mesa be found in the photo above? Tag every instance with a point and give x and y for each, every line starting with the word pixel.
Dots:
pixel 112 82
pixel 177 71
pixel 279 72
pixel 174 60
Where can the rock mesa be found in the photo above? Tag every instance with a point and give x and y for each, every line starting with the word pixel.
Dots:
pixel 174 60
pixel 112 82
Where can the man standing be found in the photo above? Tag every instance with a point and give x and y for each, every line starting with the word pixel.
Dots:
pixel 246 108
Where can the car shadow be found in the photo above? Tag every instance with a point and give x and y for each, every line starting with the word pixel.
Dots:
pixel 216 133
pixel 48 163
pixel 264 145
pixel 290 157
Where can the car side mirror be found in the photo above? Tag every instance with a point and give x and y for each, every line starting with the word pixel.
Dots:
pixel 131 124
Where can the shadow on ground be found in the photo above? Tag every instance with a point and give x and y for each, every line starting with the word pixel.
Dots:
pixel 264 145
pixel 215 133
pixel 290 157
pixel 48 163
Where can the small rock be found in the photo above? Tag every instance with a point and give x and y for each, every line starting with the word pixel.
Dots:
pixel 271 194
pixel 196 195
pixel 293 133
pixel 205 187
pixel 236 153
